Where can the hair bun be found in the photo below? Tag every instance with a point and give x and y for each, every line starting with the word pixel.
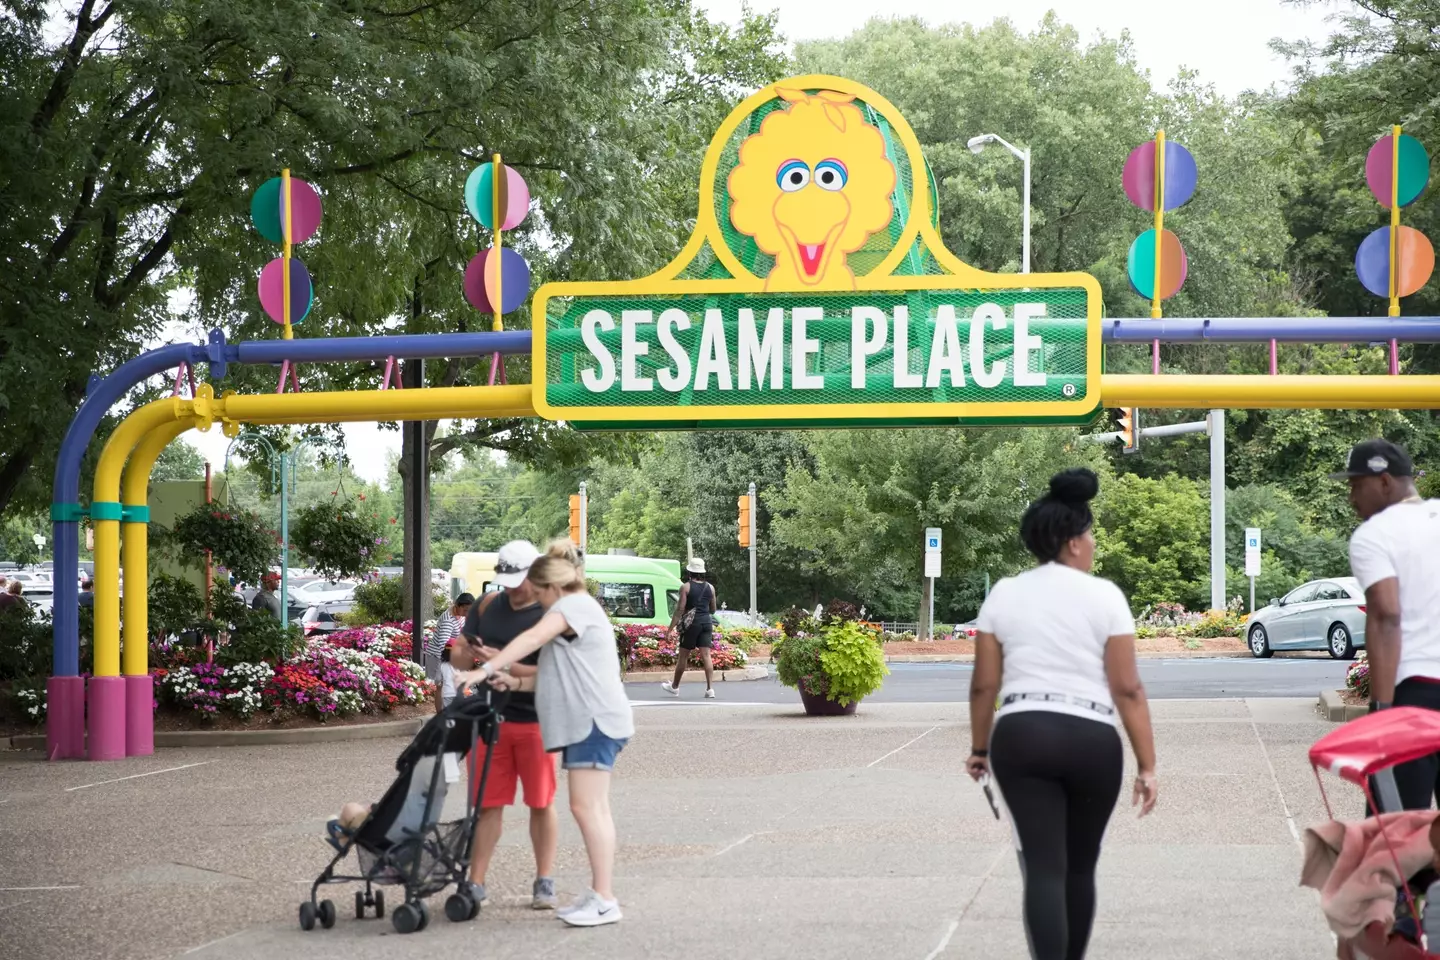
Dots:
pixel 1077 485
pixel 564 549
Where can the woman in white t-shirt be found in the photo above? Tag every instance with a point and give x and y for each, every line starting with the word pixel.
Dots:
pixel 584 712
pixel 1057 646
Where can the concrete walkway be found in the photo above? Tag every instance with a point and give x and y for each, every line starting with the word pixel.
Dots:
pixel 746 832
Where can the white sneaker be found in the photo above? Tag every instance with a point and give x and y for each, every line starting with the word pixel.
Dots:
pixel 595 912
pixel 665 685
pixel 580 904
pixel 710 693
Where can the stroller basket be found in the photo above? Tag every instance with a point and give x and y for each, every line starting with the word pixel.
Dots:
pixel 403 842
pixel 437 864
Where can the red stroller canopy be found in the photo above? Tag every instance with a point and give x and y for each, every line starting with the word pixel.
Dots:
pixel 1362 747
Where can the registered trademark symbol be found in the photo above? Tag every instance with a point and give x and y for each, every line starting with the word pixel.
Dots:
pixel 1068 389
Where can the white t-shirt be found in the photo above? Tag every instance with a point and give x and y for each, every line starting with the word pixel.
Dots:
pixel 1403 541
pixel 578 684
pixel 1053 623
pixel 447 683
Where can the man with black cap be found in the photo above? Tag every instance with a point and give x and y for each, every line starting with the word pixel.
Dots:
pixel 1395 554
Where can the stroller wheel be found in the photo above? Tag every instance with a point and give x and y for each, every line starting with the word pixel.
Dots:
pixel 460 907
pixel 327 914
pixel 307 916
pixel 406 918
pixel 359 904
pixel 424 915
pixel 379 904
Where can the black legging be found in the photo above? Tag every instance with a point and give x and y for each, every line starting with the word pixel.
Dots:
pixel 1060 776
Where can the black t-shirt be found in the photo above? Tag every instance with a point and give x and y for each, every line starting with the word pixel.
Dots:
pixel 496 627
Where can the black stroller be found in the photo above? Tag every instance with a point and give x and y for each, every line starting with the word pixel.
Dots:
pixel 402 841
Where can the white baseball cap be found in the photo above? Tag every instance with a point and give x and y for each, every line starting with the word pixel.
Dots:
pixel 513 562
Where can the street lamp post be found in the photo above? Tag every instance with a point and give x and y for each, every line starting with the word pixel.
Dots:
pixel 976 145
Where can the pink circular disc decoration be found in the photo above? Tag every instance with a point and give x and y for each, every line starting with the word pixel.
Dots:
pixel 306 216
pixel 481 279
pixel 272 290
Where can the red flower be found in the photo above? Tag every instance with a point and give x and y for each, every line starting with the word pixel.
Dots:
pixel 362 496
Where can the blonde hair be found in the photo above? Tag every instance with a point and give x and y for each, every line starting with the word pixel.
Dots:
pixel 561 566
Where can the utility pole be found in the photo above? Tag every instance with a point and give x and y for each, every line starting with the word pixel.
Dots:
pixel 418 532
pixel 1217 509
pixel 754 565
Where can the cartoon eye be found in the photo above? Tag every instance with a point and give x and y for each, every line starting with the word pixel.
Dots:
pixel 793 175
pixel 831 174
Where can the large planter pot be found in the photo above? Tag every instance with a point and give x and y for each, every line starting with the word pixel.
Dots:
pixel 818 706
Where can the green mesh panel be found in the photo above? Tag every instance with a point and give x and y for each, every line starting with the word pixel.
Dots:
pixel 876 248
pixel 705 266
pixel 1061 357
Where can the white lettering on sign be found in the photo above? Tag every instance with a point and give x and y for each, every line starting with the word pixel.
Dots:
pixel 759 354
pixel 763 362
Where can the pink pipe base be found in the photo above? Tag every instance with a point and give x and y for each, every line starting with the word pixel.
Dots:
pixel 1273 370
pixel 105 722
pixel 139 716
pixel 1155 358
pixel 65 718
pixel 1394 358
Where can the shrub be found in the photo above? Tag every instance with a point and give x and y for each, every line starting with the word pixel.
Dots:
pixel 340 539
pixel 796 621
pixel 1357 677
pixel 1216 623
pixel 748 637
pixel 644 647
pixel 176 606
pixel 382 601
pixel 853 662
pixel 797 663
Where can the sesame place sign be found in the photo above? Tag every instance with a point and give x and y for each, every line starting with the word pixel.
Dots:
pixel 816 291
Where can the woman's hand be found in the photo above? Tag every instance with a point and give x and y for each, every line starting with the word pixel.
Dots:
pixel 977 766
pixel 1147 790
pixel 504 681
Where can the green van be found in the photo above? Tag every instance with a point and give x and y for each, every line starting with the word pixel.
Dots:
pixel 631 589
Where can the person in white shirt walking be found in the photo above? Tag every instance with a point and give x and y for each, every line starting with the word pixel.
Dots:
pixel 1395 554
pixel 1057 646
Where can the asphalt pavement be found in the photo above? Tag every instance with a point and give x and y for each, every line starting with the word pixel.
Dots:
pixel 1192 678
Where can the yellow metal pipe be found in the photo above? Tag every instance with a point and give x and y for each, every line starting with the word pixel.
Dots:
pixel 431 403
pixel 1269 392
pixel 135 492
pixel 131 431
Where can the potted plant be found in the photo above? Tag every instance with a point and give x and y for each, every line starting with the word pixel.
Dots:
pixel 834 666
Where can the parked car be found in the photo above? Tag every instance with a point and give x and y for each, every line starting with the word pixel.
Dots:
pixel 323 591
pixel 966 630
pixel 738 618
pixel 324 618
pixel 1319 615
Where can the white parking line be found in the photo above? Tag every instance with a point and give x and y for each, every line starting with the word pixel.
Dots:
pixel 136 776
pixel 72 886
pixel 944 941
pixel 903 746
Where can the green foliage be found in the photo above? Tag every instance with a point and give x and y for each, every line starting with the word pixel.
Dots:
pixel 795 622
pixel 25 643
pixel 340 539
pixel 381 601
pixel 842 662
pixel 17 538
pixel 853 662
pixel 175 606
pixel 178 461
pixel 1152 539
pixel 239 540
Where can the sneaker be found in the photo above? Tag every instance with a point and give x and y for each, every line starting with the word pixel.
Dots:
pixel 673 691
pixel 579 904
pixel 709 693
pixel 543 894
pixel 594 913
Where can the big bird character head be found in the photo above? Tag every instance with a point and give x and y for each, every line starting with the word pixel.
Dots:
pixel 811 186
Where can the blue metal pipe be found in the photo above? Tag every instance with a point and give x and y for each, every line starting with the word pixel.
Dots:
pixel 1265 329
pixel 427 347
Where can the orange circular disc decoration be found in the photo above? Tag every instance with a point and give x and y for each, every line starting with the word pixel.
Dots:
pixel 1414 261
pixel 1140 265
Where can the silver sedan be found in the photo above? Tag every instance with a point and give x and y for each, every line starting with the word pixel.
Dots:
pixel 1319 615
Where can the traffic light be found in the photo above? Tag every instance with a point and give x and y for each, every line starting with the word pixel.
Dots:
pixel 1130 429
pixel 744 520
pixel 575 518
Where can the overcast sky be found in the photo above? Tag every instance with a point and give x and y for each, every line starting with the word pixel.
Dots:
pixel 1226 41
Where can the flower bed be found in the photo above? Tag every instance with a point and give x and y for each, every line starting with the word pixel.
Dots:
pixel 366 670
pixel 654 648
pixel 1357 677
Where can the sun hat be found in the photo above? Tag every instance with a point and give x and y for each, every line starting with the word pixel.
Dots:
pixel 513 562
pixel 696 565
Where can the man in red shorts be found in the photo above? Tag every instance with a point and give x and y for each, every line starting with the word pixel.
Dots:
pixel 520 754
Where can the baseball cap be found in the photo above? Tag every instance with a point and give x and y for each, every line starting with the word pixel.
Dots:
pixel 513 562
pixel 1371 458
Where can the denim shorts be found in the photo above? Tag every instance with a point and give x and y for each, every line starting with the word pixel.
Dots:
pixel 595 752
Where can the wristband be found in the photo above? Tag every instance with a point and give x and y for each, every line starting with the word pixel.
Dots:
pixel 485 669
pixel 1377 705
pixel 979 753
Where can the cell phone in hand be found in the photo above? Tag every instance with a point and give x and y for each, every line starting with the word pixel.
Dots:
pixel 989 796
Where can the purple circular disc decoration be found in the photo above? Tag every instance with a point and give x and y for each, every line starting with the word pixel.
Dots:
pixel 272 290
pixel 1372 262
pixel 1138 177
pixel 480 280
pixel 305 219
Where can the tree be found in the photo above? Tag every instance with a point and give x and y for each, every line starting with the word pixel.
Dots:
pixel 178 461
pixel 129 148
pixel 1152 539
pixel 860 516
